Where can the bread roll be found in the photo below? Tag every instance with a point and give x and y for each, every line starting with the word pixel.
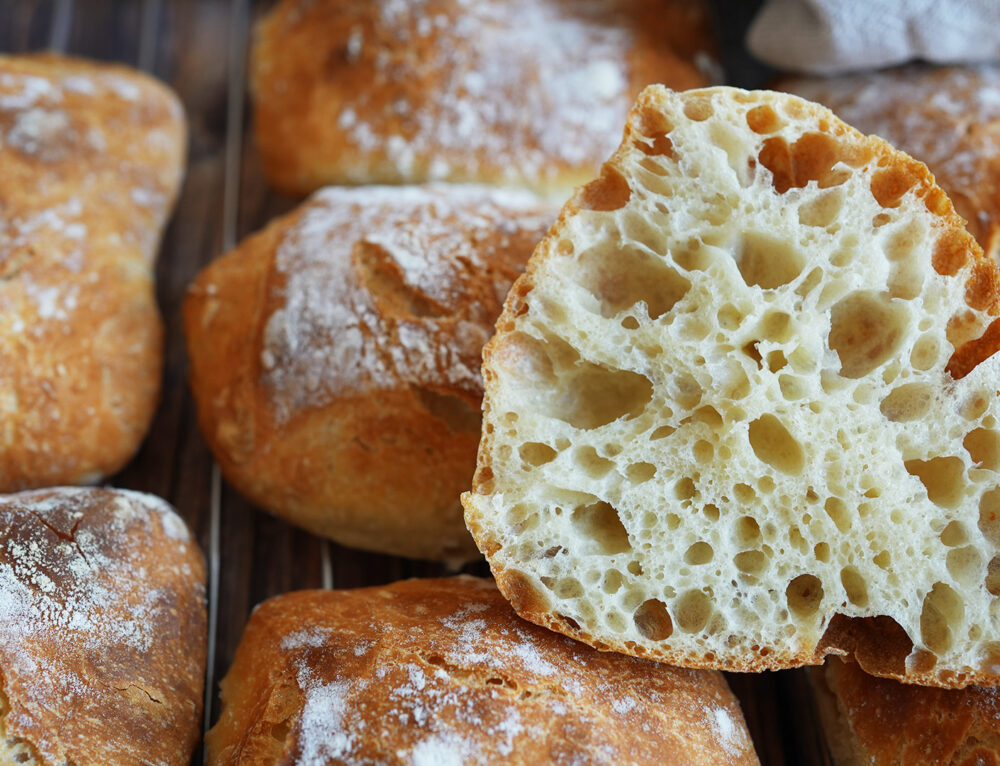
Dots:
pixel 948 117
pixel 91 157
pixel 873 721
pixel 722 426
pixel 516 92
pixel 443 672
pixel 335 358
pixel 102 630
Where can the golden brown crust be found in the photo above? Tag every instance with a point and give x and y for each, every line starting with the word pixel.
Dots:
pixel 335 358
pixel 442 671
pixel 948 117
pixel 91 157
pixel 880 722
pixel 521 92
pixel 102 628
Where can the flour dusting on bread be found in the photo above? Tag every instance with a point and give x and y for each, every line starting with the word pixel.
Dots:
pixel 520 93
pixel 442 672
pixel 366 264
pixel 484 106
pixel 101 627
pixel 92 157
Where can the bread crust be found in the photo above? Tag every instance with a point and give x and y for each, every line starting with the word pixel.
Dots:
pixel 442 671
pixel 91 158
pixel 102 629
pixel 880 722
pixel 948 117
pixel 520 93
pixel 494 517
pixel 335 358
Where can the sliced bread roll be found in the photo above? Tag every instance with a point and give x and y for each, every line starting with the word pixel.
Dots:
pixel 335 358
pixel 948 117
pixel 102 630
pixel 872 721
pixel 742 409
pixel 443 672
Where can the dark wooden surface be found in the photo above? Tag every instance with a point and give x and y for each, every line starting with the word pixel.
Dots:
pixel 199 48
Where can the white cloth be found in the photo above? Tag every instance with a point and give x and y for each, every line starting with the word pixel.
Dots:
pixel 833 36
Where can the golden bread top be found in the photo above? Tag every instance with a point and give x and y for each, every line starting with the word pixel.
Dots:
pixel 102 627
pixel 91 158
pixel 519 92
pixel 443 671
pixel 373 288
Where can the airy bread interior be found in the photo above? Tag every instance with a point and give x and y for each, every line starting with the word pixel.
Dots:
pixel 740 412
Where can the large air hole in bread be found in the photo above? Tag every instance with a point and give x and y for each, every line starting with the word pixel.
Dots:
pixel 742 410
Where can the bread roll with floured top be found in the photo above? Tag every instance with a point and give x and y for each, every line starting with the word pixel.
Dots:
pixel 335 358
pixel 102 630
pixel 872 721
pixel 91 158
pixel 516 92
pixel 742 408
pixel 443 672
pixel 948 117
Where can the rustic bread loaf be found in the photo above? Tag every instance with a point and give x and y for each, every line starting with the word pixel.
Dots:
pixel 873 721
pixel 91 157
pixel 443 672
pixel 102 630
pixel 948 117
pixel 723 425
pixel 335 358
pixel 517 92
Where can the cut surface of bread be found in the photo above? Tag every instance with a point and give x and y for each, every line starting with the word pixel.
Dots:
pixel 91 159
pixel 742 409
pixel 948 117
pixel 872 721
pixel 443 672
pixel 516 92
pixel 102 629
pixel 335 357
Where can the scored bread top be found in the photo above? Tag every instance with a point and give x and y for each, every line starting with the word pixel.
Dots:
pixel 870 720
pixel 740 410
pixel 91 158
pixel 102 629
pixel 443 672
pixel 335 357
pixel 948 117
pixel 518 92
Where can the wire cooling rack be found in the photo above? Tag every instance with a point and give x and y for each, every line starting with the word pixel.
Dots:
pixel 199 47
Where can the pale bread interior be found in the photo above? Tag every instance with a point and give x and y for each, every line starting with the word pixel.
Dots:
pixel 717 407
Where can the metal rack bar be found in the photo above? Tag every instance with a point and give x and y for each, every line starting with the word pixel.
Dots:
pixel 238 23
pixel 326 564
pixel 62 21
pixel 148 34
